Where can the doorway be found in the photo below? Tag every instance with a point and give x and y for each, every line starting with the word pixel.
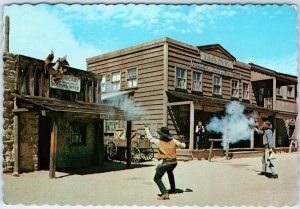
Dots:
pixel 44 143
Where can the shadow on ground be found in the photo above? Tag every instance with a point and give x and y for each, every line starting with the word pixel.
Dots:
pixel 107 166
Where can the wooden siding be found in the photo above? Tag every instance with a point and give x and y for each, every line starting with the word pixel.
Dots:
pixel 148 95
pixel 180 56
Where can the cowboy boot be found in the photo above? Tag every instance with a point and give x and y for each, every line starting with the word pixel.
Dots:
pixel 165 196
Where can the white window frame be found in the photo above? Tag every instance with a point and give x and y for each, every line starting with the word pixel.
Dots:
pixel 133 81
pixel 103 84
pixel 237 88
pixel 247 90
pixel 181 79
pixel 198 81
pixel 115 85
pixel 213 85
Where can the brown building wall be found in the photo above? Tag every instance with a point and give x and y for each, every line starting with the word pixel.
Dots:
pixel 148 59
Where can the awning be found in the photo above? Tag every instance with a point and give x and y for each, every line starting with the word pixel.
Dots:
pixel 104 111
pixel 211 100
pixel 112 95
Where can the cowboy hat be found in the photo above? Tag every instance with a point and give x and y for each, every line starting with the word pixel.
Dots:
pixel 164 131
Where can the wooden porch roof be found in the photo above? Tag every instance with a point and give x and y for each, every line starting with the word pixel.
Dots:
pixel 102 111
pixel 211 100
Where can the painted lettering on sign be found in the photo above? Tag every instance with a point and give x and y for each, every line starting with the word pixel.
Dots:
pixel 214 70
pixel 216 60
pixel 68 83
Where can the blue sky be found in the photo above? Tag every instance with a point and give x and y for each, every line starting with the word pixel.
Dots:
pixel 265 35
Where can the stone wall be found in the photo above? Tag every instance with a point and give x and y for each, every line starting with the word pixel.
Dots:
pixel 9 84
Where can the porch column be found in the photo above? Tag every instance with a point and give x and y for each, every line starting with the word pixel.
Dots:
pixel 53 146
pixel 128 147
pixel 252 139
pixel 192 113
pixel 274 129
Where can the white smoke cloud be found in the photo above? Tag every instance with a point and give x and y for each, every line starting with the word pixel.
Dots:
pixel 235 126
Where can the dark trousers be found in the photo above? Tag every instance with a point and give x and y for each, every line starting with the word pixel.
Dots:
pixel 165 167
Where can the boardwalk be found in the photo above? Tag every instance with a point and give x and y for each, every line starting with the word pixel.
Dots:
pixel 222 182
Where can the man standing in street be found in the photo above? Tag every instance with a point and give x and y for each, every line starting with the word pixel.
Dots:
pixel 166 153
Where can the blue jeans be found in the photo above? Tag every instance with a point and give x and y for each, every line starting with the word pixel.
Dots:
pixel 163 168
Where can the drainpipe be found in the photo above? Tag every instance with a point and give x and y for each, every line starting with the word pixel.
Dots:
pixel 6 37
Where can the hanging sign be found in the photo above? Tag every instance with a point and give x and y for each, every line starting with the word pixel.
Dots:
pixel 68 83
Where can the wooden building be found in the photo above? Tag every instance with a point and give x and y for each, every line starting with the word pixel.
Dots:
pixel 52 125
pixel 175 84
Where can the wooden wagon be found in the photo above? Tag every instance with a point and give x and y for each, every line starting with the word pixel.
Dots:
pixel 141 149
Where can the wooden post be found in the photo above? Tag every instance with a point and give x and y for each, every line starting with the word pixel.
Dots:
pixel 53 146
pixel 165 97
pixel 192 111
pixel 227 150
pixel 16 141
pixel 128 138
pixel 6 37
pixel 210 150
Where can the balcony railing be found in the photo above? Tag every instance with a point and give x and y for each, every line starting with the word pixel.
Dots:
pixel 268 103
pixel 280 105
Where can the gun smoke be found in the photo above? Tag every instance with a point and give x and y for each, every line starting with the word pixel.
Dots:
pixel 234 126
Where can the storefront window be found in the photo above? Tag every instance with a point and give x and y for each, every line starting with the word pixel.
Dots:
pixel 197 81
pixel 217 84
pixel 132 78
pixel 110 126
pixel 245 91
pixel 116 81
pixel 180 78
pixel 77 133
pixel 235 88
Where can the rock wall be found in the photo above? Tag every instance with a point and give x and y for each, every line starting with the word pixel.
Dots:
pixel 9 84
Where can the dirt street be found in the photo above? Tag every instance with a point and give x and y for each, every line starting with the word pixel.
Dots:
pixel 221 182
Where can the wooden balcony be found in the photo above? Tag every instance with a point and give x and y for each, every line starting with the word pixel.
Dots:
pixel 280 105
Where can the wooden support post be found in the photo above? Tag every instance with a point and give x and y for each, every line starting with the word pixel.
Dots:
pixel 128 138
pixel 227 150
pixel 16 141
pixel 210 150
pixel 192 113
pixel 53 146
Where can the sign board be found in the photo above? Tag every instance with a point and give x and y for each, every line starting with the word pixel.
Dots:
pixel 215 70
pixel 216 60
pixel 68 83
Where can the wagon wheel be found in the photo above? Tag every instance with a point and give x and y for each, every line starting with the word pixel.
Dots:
pixel 111 150
pixel 148 154
pixel 135 155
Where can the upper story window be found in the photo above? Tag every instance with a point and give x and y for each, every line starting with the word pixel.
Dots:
pixel 235 88
pixel 290 92
pixel 180 78
pixel 217 85
pixel 103 83
pixel 278 91
pixel 116 81
pixel 77 135
pixel 132 78
pixel 197 81
pixel 246 91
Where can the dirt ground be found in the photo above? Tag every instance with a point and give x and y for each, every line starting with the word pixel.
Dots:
pixel 221 182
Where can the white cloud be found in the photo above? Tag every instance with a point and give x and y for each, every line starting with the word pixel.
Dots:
pixel 286 64
pixel 40 32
